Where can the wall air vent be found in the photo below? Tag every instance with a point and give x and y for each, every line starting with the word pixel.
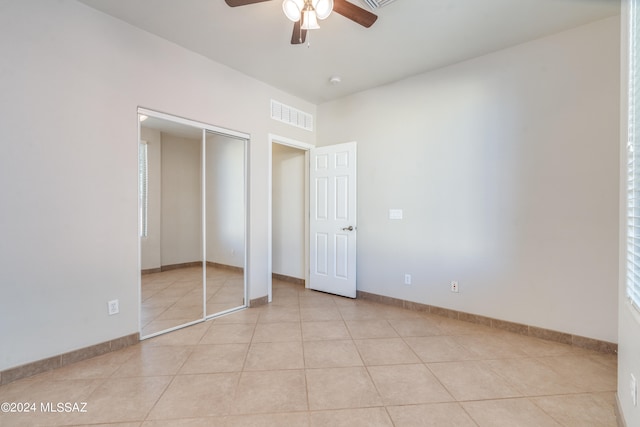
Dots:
pixel 376 4
pixel 292 116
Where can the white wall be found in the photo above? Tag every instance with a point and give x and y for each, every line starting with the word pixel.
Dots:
pixel 507 171
pixel 288 210
pixel 628 317
pixel 628 359
pixel 72 79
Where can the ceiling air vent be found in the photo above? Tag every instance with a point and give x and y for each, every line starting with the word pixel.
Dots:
pixel 376 4
pixel 292 116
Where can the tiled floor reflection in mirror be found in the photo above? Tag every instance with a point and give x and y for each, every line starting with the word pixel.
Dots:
pixel 174 297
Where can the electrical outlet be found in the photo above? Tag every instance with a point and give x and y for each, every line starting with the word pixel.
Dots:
pixel 454 286
pixel 634 390
pixel 114 307
pixel 407 279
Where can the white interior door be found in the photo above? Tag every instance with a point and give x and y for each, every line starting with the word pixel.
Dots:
pixel 332 227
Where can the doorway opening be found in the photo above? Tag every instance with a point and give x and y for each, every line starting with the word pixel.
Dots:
pixel 330 215
pixel 289 211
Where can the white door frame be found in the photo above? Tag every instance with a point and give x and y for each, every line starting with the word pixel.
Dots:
pixel 275 139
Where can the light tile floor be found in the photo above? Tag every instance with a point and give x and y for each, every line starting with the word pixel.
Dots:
pixel 312 359
pixel 174 297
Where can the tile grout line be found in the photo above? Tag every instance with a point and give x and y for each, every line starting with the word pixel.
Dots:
pixel 304 364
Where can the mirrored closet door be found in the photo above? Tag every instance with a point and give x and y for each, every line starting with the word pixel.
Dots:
pixel 192 188
pixel 225 222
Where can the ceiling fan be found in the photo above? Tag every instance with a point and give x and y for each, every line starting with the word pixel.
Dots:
pixel 305 13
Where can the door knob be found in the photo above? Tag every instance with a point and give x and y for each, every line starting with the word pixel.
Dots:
pixel 349 228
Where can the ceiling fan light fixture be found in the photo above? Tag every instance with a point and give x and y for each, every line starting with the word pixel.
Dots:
pixel 293 9
pixel 323 8
pixel 309 20
pixel 309 10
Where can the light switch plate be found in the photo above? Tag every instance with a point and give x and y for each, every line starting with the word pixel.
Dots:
pixel 395 213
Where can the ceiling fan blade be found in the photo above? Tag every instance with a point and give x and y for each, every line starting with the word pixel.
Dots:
pixel 299 35
pixel 234 3
pixel 355 13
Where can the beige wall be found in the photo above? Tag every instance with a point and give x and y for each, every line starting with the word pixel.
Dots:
pixel 506 168
pixel 225 198
pixel 181 188
pixel 288 210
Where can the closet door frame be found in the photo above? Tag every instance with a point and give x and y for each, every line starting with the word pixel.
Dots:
pixel 205 128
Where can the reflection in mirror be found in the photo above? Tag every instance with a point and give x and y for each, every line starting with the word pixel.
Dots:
pixel 225 222
pixel 171 225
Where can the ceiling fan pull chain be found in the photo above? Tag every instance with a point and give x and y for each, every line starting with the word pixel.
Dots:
pixel 300 31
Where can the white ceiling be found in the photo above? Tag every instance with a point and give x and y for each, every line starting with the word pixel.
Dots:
pixel 409 37
pixel 172 128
